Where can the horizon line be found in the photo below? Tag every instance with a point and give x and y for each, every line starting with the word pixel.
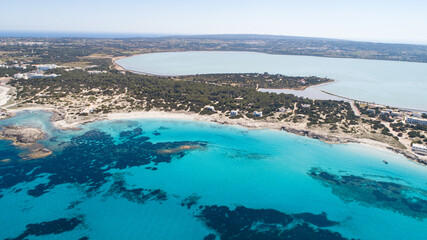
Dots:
pixel 106 35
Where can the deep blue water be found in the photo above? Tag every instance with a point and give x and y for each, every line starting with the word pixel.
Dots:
pixel 136 179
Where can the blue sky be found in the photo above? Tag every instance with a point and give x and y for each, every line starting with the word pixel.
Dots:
pixel 374 20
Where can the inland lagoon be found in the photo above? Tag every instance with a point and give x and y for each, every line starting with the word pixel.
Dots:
pixel 178 179
pixel 394 83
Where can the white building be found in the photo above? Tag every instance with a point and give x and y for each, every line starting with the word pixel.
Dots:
pixel 20 76
pixel 420 149
pixel 257 114
pixel 416 114
pixel 370 111
pixel 96 72
pixel 415 120
pixel 306 105
pixel 283 109
pixel 396 114
pixel 19 66
pixel 33 75
pixel 234 112
pixel 210 108
pixel 46 67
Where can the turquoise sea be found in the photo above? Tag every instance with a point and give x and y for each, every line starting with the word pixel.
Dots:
pixel 394 83
pixel 160 179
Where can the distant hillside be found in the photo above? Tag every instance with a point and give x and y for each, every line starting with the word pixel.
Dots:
pixel 70 49
pixel 276 44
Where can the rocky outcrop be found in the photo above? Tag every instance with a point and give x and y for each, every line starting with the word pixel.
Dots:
pixel 178 149
pixel 4 114
pixel 27 138
pixel 322 137
pixel 22 135
pixel 39 152
pixel 408 155
pixel 57 116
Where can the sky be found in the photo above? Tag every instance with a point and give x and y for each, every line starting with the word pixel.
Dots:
pixel 374 20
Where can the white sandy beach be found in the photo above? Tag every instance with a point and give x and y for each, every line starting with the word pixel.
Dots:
pixel 317 133
pixel 4 95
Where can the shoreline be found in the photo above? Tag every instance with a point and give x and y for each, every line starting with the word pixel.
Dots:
pixel 289 127
pixel 119 67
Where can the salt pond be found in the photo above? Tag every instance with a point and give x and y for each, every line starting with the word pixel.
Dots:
pixel 398 84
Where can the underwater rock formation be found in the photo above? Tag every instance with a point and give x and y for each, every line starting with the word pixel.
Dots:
pixel 386 195
pixel 51 227
pixel 88 159
pixel 267 224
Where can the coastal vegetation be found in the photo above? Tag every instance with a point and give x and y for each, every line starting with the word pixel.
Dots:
pixel 255 80
pixel 115 91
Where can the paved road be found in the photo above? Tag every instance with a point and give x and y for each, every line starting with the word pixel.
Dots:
pixel 355 109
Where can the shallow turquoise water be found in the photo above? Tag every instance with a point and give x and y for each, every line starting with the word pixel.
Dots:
pixel 257 169
pixel 398 84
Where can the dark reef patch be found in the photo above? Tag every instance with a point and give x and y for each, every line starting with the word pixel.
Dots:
pixel 320 220
pixel 138 195
pixel 74 204
pixel 190 201
pixel 237 153
pixel 386 195
pixel 9 153
pixel 210 236
pixel 132 133
pixel 267 224
pixel 152 168
pixel 87 159
pixel 51 227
